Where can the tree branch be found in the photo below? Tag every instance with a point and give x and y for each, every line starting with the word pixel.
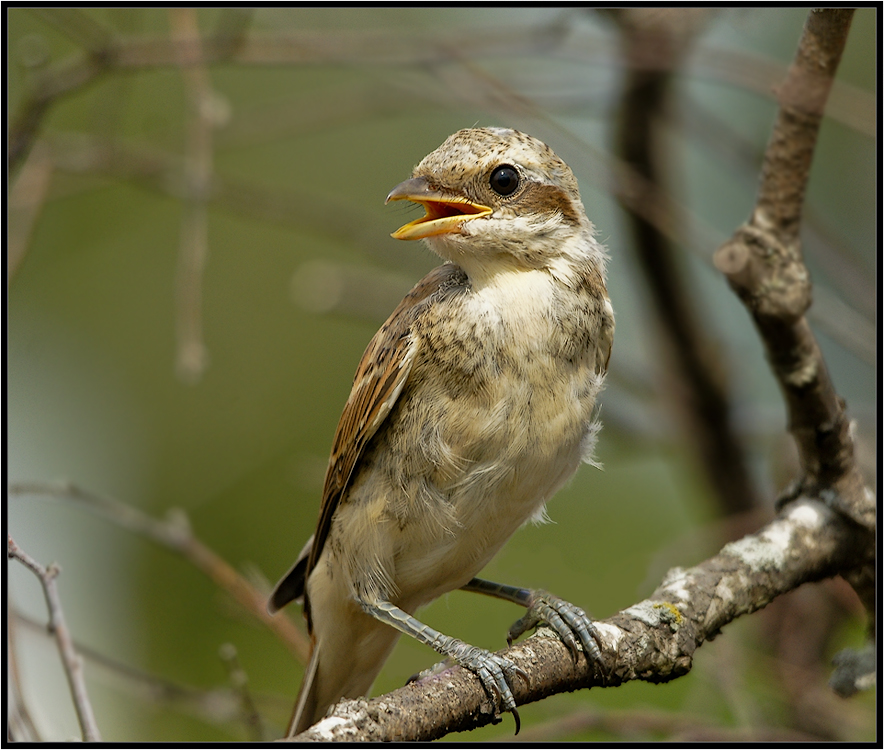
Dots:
pixel 20 724
pixel 763 263
pixel 177 536
pixel 654 640
pixel 239 681
pixel 73 665
pixel 211 705
pixel 192 354
pixel 764 266
pixel 230 43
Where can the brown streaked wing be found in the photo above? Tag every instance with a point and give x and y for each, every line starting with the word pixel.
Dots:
pixel 380 377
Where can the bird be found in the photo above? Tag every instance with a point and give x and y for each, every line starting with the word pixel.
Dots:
pixel 471 406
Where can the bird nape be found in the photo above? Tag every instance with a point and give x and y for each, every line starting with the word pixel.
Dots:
pixel 472 405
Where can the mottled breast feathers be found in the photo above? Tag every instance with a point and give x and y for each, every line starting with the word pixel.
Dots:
pixel 380 378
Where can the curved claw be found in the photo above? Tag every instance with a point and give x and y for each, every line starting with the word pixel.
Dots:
pixel 496 674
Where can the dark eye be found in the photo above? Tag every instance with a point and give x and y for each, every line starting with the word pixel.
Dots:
pixel 504 180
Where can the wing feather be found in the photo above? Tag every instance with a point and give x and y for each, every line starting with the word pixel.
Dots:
pixel 382 374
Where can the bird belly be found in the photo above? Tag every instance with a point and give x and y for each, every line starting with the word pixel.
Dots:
pixel 495 418
pixel 484 472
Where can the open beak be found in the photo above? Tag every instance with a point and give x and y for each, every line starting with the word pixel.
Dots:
pixel 446 212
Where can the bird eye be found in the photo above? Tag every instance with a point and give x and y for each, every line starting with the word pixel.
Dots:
pixel 504 180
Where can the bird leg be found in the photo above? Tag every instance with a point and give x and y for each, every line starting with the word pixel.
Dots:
pixel 563 617
pixel 495 672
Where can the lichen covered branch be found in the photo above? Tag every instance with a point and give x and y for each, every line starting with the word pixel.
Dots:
pixel 654 640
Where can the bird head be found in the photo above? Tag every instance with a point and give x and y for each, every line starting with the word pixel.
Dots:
pixel 496 199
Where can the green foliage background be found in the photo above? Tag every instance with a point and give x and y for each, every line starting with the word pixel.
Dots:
pixel 94 396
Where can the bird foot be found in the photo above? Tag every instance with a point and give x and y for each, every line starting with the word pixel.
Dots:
pixel 496 673
pixel 566 619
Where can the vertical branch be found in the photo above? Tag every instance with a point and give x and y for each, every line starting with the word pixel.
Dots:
pixel 653 40
pixel 192 356
pixel 802 99
pixel 73 665
pixel 763 264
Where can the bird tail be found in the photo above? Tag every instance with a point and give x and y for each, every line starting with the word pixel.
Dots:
pixel 349 649
pixel 304 714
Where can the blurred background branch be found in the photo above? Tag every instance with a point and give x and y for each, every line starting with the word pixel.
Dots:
pixel 176 535
pixel 215 706
pixel 698 372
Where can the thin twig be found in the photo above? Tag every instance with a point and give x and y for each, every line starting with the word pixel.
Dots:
pixel 177 536
pixel 73 665
pixel 21 724
pixel 213 706
pixel 192 355
pixel 127 54
pixel 240 683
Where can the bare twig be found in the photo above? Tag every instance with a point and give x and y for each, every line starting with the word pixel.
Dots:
pixel 73 665
pixel 213 706
pixel 654 640
pixel 21 725
pixel 764 265
pixel 848 316
pixel 240 683
pixel 230 43
pixel 192 356
pixel 177 536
